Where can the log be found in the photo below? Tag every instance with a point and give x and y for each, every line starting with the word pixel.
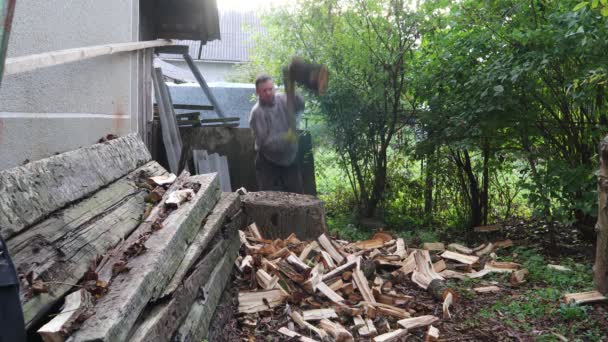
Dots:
pixel 161 320
pixel 339 333
pixel 584 297
pixel 395 335
pixel 417 322
pixel 600 269
pixel 279 214
pixel 59 250
pixel 31 192
pixel 60 327
pixel 151 272
pixel 226 207
pixel 196 325
pixel 293 334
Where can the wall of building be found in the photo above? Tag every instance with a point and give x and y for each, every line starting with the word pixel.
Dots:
pixel 63 107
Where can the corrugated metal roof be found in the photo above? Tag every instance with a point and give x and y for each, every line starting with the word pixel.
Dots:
pixel 237 30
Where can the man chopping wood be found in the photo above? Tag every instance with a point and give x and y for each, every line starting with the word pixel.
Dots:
pixel 273 122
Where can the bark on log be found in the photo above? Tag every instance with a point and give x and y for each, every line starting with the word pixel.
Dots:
pixel 601 254
pixel 60 249
pixel 278 214
pixel 160 321
pixel 31 192
pixel 129 292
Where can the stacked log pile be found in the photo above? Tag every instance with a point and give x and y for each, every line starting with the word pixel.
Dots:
pixel 124 249
pixel 337 290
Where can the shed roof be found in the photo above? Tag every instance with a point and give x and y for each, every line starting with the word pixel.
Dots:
pixel 237 30
pixel 187 19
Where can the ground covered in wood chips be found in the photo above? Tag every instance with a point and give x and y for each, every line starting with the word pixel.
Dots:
pixel 531 311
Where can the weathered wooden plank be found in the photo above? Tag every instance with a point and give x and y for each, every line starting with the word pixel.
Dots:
pixel 149 273
pixel 60 249
pixel 196 325
pixel 31 192
pixel 227 206
pixel 164 318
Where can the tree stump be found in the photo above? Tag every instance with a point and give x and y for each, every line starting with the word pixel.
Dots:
pixel 278 214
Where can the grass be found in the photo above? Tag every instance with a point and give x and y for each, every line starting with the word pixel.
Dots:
pixel 538 307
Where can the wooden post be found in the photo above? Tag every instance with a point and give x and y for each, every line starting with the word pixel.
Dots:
pixel 601 254
pixel 8 8
pixel 201 81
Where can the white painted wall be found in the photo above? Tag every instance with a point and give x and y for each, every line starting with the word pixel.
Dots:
pixel 61 108
pixel 211 71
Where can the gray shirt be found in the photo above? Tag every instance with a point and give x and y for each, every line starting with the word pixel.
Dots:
pixel 270 124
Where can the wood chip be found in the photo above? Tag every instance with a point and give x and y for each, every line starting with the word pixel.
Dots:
pixel 519 277
pixel 432 335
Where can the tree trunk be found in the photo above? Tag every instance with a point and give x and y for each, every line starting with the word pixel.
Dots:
pixel 601 253
pixel 486 182
pixel 278 214
pixel 429 184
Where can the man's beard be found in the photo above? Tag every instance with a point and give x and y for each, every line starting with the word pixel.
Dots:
pixel 269 102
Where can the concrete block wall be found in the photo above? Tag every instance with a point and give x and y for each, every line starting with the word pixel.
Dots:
pixel 61 108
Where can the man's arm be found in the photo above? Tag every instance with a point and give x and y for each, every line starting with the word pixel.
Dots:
pixel 264 139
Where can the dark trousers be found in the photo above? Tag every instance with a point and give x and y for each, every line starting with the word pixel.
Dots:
pixel 273 177
pixel 12 326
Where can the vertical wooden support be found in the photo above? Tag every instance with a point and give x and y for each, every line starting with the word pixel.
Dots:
pixel 601 254
pixel 170 131
pixel 201 81
pixel 8 8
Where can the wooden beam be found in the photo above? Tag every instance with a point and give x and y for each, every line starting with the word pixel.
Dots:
pixel 226 207
pixel 33 191
pixel 129 292
pixel 21 64
pixel 60 249
pixel 170 132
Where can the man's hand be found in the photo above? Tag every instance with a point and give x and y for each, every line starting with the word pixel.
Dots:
pixel 290 136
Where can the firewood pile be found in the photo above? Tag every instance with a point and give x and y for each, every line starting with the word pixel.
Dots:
pixel 114 248
pixel 328 289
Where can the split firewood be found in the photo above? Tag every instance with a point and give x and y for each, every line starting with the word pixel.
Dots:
pixel 363 286
pixel 459 248
pixel 388 310
pixel 329 262
pixel 487 289
pixel 390 299
pixel 365 327
pixel 559 268
pixel 439 266
pixel 447 302
pixel 162 180
pixel 254 231
pixel 280 254
pixel 245 242
pixel 337 285
pixel 340 269
pixel 247 263
pixel 449 274
pixel 486 249
pixel 293 334
pixel 319 314
pixel 396 335
pixel 424 274
pixel 518 277
pixel 432 335
pixel 309 248
pixel 584 297
pixel 265 280
pixel 176 198
pixel 501 269
pixel 299 320
pixel 251 302
pixel 487 229
pixel 504 265
pixel 329 293
pixel 339 333
pixel 401 250
pixel 433 246
pixel 417 322
pixel 325 242
pixel 76 304
pixel 503 244
pixel 315 278
pixel 297 263
pixel 465 259
pixel 409 265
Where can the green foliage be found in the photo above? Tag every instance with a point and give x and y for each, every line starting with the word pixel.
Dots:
pixel 572 312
